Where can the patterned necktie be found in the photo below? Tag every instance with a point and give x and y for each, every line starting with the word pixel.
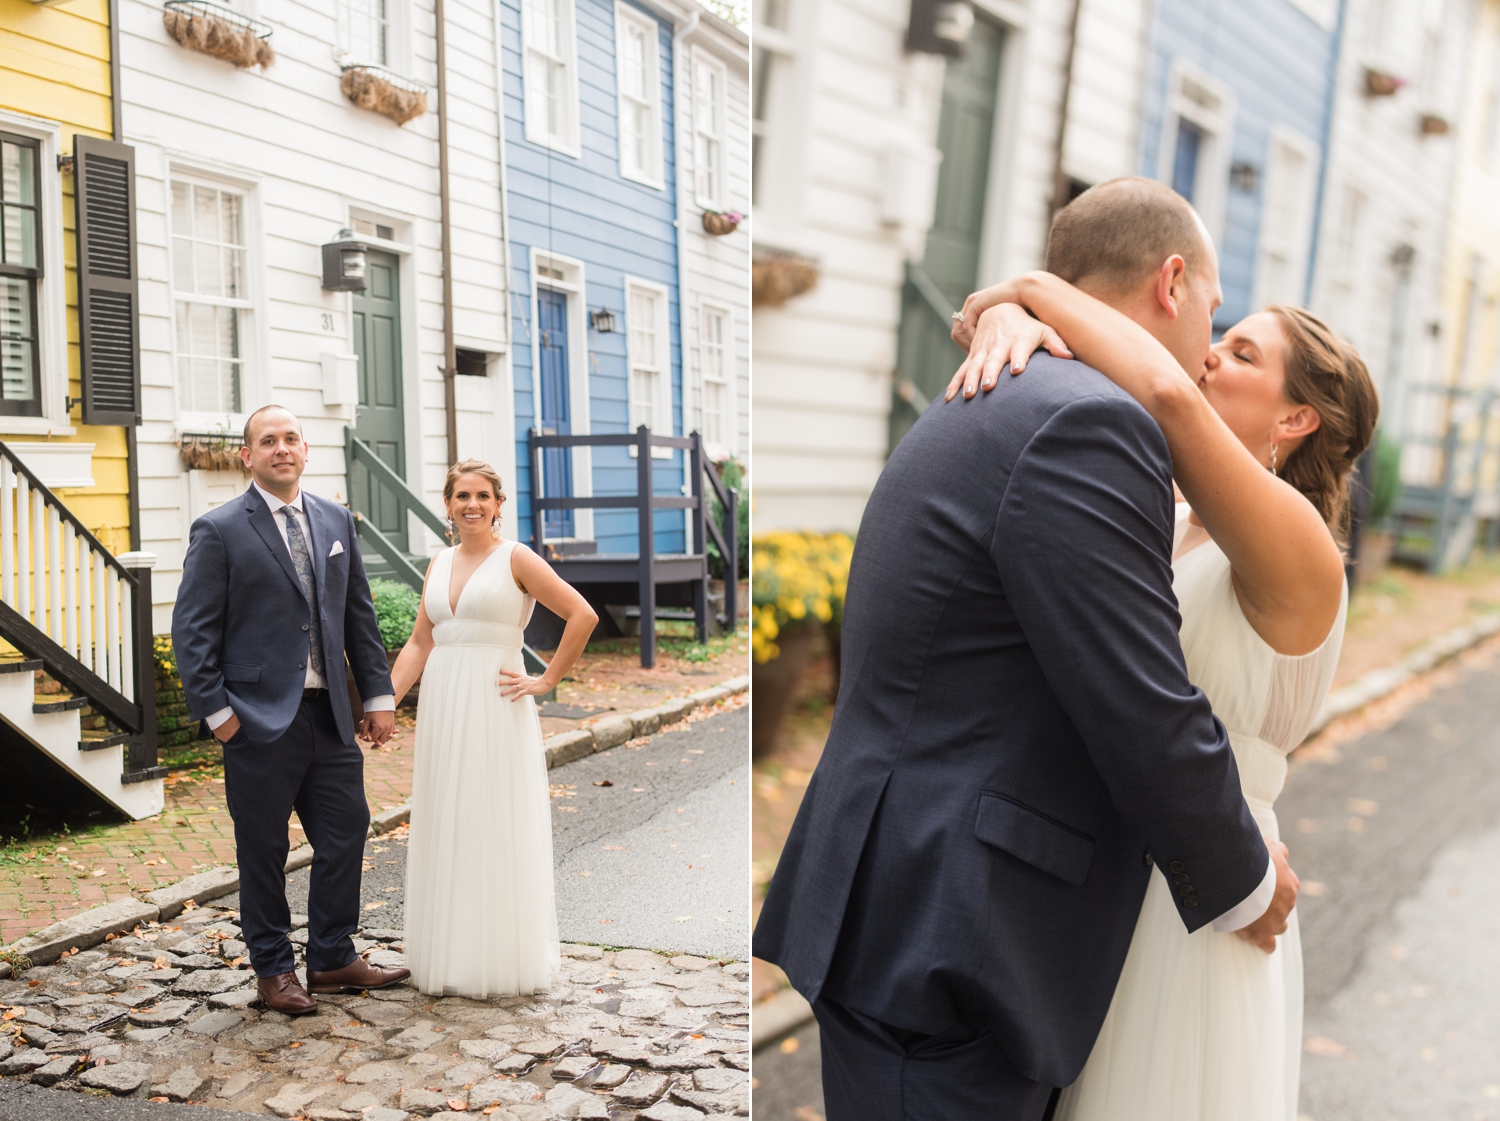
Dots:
pixel 298 545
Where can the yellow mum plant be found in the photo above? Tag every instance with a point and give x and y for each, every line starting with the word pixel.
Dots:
pixel 795 577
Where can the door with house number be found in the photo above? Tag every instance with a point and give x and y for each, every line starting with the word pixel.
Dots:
pixel 380 420
pixel 556 412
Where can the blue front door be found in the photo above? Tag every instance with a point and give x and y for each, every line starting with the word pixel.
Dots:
pixel 556 416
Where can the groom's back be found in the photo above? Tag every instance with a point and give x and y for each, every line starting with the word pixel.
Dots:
pixel 956 815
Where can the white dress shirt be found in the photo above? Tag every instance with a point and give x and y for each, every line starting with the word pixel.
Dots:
pixel 280 511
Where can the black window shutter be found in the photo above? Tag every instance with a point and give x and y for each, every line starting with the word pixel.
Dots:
pixel 108 290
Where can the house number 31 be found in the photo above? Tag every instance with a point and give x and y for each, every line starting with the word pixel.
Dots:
pixel 327 322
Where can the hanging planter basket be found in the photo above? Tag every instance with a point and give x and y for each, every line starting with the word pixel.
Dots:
pixel 379 90
pixel 776 277
pixel 223 33
pixel 211 451
pixel 1382 83
pixel 721 222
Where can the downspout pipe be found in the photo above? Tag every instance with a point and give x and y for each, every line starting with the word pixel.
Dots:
pixel 682 85
pixel 1059 177
pixel 450 357
pixel 1329 124
pixel 117 133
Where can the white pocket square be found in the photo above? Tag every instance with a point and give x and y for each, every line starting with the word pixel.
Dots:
pixel 338 547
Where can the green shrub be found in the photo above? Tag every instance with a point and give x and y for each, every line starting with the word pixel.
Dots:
pixel 733 476
pixel 395 610
pixel 1387 481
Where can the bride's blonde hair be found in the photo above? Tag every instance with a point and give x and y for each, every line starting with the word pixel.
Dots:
pixel 470 467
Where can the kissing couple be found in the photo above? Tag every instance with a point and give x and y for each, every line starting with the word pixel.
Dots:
pixel 1037 872
pixel 273 602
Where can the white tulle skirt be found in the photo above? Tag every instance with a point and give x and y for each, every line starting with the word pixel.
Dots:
pixel 1203 1027
pixel 480 914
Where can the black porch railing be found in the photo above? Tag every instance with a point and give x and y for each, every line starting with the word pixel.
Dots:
pixel 67 602
pixel 646 569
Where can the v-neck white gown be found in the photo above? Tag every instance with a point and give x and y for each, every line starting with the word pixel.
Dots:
pixel 480 916
pixel 1204 1026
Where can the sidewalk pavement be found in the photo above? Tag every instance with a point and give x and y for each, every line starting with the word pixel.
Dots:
pixel 45 880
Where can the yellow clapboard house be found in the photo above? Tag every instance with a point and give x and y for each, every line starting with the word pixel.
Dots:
pixel 1471 265
pixel 75 591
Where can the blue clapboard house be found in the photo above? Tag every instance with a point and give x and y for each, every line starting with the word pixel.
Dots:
pixel 1236 117
pixel 591 194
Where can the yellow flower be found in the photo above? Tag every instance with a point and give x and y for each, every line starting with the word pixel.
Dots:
pixel 796 577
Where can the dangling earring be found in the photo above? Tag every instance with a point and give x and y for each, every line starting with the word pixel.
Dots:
pixel 1273 457
pixel 495 526
pixel 449 524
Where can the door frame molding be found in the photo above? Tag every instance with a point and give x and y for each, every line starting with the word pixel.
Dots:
pixel 571 285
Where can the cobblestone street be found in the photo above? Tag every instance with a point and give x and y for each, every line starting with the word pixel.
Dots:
pixel 169 1012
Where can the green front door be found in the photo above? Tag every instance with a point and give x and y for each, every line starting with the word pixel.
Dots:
pixel 926 356
pixel 379 418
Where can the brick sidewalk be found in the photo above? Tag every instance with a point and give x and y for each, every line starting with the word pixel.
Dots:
pixel 47 879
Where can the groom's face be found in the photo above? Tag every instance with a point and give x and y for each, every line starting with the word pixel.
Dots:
pixel 1196 295
pixel 277 452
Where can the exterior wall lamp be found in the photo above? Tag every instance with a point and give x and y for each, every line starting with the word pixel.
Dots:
pixel 344 263
pixel 602 321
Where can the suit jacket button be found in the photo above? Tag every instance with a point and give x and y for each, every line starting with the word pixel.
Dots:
pixel 1190 901
pixel 1148 859
pixel 1177 866
pixel 1185 890
pixel 1180 878
pixel 304 626
pixel 301 665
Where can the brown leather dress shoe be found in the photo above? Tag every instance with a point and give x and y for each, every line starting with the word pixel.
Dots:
pixel 355 977
pixel 284 993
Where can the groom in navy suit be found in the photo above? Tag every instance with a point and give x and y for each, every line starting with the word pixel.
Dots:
pixel 272 600
pixel 1016 747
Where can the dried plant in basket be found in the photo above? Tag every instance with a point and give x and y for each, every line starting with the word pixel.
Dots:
pixel 776 278
pixel 371 90
pixel 210 456
pixel 219 38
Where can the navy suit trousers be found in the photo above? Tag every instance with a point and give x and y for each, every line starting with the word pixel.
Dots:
pixel 875 1072
pixel 315 771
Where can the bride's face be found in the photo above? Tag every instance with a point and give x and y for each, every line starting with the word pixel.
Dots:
pixel 474 505
pixel 1245 382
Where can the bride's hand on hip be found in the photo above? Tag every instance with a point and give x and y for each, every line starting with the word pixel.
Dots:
pixel 1005 333
pixel 517 685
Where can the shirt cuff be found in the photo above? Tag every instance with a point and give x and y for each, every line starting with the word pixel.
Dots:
pixel 387 703
pixel 1254 905
pixel 214 719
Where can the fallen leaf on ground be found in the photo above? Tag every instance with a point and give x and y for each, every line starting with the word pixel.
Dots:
pixel 1328 1048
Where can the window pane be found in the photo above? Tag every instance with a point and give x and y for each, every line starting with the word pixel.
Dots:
pixel 210 279
pixel 15 306
pixel 1185 159
pixel 17 360
pixel 643 328
pixel 182 265
pixel 643 399
pixel 633 64
pixel 208 348
pixel 20 236
pixel 713 412
pixel 18 174
pixel 182 210
pixel 206 214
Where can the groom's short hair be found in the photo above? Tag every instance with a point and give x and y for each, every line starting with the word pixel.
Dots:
pixel 1116 234
pixel 250 420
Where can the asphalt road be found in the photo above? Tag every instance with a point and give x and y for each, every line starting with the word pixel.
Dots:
pixel 656 860
pixel 1397 839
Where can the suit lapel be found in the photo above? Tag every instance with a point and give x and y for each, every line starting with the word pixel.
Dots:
pixel 264 523
pixel 317 540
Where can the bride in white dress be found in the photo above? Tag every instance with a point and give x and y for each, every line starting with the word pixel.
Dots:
pixel 1208 1026
pixel 480 916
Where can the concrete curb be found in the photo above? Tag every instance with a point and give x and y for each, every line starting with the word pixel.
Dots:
pixel 1383 682
pixel 89 928
pixel 773 1018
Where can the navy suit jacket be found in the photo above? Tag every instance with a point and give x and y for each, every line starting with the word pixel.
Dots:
pixel 1016 743
pixel 240 625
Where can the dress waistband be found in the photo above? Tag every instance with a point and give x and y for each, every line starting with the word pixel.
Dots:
pixel 477 632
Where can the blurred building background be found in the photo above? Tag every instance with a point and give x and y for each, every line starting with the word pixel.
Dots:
pixel 1344 154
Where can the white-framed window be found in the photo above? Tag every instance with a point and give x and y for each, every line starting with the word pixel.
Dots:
pixel 367 30
pixel 716 365
pixel 709 77
pixel 1286 218
pixel 1196 132
pixel 210 295
pixel 33 292
pixel 782 58
pixel 551 74
pixel 638 71
pixel 1348 256
pixel 648 348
